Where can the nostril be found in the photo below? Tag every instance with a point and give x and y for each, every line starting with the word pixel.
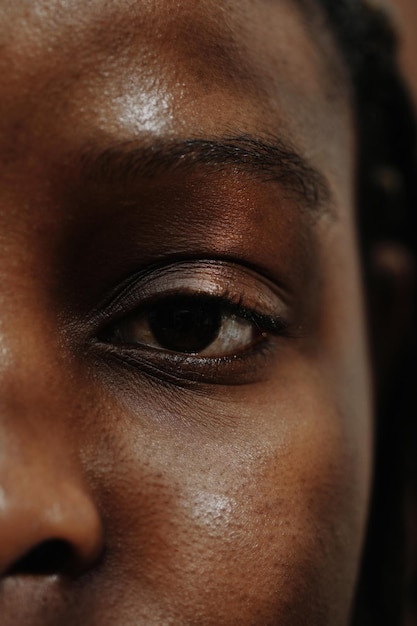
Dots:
pixel 50 557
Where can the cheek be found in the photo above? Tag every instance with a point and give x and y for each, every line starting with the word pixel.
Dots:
pixel 259 524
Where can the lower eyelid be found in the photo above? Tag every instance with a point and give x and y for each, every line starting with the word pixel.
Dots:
pixel 163 367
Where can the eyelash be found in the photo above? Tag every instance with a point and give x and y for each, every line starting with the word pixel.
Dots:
pixel 183 367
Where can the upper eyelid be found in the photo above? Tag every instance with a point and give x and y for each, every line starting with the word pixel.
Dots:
pixel 149 284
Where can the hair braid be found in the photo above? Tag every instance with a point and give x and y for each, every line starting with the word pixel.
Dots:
pixel 386 210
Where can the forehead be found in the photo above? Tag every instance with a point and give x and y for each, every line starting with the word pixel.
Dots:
pixel 223 30
pixel 121 67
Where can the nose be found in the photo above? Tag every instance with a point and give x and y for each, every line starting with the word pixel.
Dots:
pixel 48 525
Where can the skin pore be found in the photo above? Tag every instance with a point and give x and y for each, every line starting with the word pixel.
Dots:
pixel 197 156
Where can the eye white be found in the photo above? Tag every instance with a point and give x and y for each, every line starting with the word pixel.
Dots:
pixel 235 335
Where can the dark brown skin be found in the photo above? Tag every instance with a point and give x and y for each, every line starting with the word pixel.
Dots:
pixel 209 489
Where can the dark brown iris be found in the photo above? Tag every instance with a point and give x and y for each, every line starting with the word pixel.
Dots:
pixel 185 323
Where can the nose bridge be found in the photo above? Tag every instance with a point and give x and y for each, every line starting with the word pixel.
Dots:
pixel 35 401
pixel 31 351
pixel 29 378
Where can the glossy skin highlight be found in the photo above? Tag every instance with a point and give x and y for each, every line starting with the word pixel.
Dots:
pixel 188 490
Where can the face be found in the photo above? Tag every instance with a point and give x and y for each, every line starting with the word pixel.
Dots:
pixel 185 423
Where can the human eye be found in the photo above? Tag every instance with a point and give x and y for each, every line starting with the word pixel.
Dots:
pixel 196 317
pixel 193 324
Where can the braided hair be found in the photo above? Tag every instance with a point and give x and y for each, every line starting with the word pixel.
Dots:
pixel 386 205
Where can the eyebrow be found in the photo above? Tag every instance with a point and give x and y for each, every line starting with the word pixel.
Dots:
pixel 269 160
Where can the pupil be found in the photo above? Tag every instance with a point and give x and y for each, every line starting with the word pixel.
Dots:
pixel 185 323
